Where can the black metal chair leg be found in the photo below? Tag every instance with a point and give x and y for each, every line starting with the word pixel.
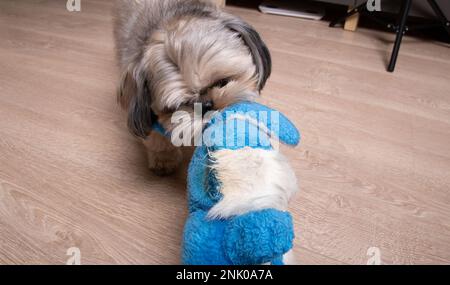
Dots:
pixel 401 28
pixel 441 16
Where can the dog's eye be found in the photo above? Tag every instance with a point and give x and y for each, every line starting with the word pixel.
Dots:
pixel 221 83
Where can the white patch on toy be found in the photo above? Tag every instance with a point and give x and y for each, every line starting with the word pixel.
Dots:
pixel 252 179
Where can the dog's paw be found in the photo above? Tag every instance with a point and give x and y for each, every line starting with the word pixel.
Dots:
pixel 164 163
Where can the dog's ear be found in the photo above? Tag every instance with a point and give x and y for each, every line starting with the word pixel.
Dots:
pixel 126 89
pixel 258 49
pixel 134 95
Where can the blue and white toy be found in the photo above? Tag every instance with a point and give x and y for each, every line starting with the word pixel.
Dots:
pixel 258 235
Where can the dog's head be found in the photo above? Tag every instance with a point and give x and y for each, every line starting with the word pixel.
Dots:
pixel 212 60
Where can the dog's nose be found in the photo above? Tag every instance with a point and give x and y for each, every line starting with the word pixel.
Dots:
pixel 207 106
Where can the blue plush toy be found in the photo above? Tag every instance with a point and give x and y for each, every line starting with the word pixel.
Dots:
pixel 254 237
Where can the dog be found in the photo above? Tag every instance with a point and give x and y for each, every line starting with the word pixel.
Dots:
pixel 173 54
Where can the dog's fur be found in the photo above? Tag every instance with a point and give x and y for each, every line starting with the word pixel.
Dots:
pixel 174 53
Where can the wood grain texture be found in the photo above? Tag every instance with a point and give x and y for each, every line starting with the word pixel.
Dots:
pixel 373 166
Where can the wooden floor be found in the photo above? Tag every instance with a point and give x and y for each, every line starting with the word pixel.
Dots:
pixel 373 166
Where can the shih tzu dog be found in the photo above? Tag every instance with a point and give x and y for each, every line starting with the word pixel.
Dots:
pixel 175 53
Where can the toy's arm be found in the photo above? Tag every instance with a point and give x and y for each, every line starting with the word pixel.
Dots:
pixel 258 237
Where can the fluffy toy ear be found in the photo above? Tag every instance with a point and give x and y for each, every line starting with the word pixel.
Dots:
pixel 279 125
pixel 259 237
pixel 270 121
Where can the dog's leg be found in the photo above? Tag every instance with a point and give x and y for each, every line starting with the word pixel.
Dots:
pixel 163 157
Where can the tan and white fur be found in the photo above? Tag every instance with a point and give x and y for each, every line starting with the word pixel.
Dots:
pixel 175 53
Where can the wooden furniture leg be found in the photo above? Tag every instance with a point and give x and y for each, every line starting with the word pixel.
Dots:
pixel 220 3
pixel 351 23
pixel 351 18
